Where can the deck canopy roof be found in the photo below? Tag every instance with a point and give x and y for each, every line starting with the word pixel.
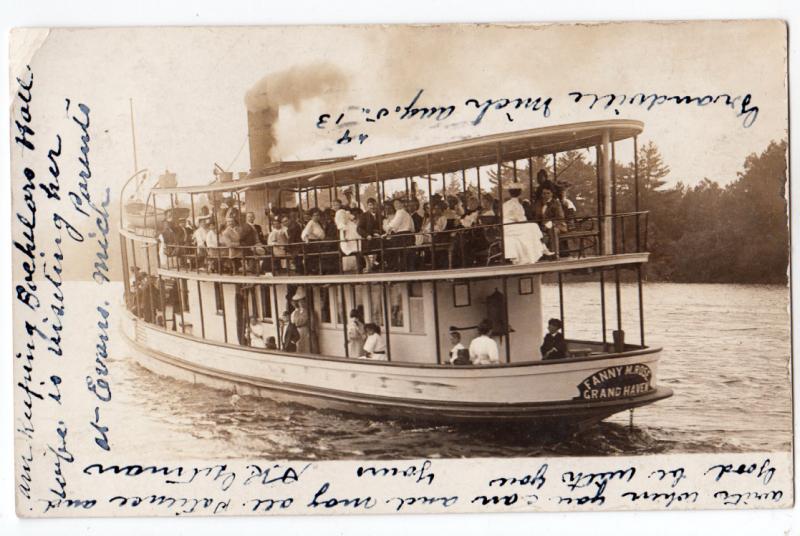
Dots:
pixel 435 159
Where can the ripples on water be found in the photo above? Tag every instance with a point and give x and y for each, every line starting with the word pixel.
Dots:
pixel 726 356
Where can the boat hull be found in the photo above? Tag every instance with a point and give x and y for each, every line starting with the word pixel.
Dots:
pixel 551 394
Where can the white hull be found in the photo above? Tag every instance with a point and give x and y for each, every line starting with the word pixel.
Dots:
pixel 532 391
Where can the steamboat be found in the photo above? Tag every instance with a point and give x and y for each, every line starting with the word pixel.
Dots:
pixel 225 312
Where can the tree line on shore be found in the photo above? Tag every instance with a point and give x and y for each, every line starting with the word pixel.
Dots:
pixel 706 233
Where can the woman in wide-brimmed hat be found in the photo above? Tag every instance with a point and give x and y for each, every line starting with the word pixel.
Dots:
pixel 300 319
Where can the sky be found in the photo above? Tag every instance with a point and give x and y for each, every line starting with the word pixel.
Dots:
pixel 187 86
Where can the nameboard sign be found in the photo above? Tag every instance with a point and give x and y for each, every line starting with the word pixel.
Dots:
pixel 620 381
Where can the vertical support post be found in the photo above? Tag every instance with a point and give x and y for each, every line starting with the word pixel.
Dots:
pixel 164 305
pixel 194 224
pixel 641 303
pixel 202 315
pixel 156 230
pixel 430 210
pixel 599 199
pixel 217 253
pixel 246 299
pixel 463 180
pixel 135 291
pixel 386 306
pixel 605 183
pixel 500 200
pixel 636 189
pixel 603 307
pixel 343 309
pixel 505 320
pixel 436 324
pixel 618 299
pixel 149 286
pixel 268 209
pixel 444 187
pixel 561 303
pixel 126 277
pixel 614 227
pixel 555 168
pixel 224 315
pixel 335 189
pixel 275 316
pixel 478 171
pixel 530 180
pixel 180 283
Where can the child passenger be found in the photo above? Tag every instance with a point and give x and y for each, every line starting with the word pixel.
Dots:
pixel 458 351
pixel 374 346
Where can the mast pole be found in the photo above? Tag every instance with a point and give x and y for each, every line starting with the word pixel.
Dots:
pixel 133 138
pixel 500 201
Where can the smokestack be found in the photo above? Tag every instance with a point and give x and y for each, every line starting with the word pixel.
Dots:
pixel 261 131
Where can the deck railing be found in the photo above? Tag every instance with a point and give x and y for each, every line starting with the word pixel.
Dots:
pixel 478 245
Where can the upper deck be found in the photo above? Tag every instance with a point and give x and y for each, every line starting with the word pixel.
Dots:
pixel 453 231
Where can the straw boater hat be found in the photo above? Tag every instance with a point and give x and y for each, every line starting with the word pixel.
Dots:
pixel 299 295
pixel 514 186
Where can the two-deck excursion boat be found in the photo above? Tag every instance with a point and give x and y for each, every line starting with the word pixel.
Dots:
pixel 189 317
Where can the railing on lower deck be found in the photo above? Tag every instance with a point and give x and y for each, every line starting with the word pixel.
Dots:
pixel 479 245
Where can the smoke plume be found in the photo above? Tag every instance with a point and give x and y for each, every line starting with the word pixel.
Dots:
pixel 294 85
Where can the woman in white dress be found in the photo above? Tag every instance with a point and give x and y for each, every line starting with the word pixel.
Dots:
pixel 522 240
pixel 300 319
pixel 257 335
pixel 350 243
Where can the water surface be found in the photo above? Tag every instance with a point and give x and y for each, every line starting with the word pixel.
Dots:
pixel 726 356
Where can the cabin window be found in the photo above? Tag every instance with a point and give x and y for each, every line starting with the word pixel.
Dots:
pixel 219 298
pixel 356 294
pixel 397 315
pixel 376 304
pixel 252 307
pixel 184 288
pixel 416 308
pixel 266 303
pixel 329 306
pixel 324 305
pixel 337 305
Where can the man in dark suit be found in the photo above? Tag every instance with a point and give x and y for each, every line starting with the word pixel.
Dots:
pixel 370 229
pixel 413 209
pixel 369 226
pixel 258 234
pixel 554 345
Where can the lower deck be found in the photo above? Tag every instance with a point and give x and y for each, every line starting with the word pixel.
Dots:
pixel 603 379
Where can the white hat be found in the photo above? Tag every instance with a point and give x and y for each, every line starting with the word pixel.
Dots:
pixel 299 295
pixel 514 185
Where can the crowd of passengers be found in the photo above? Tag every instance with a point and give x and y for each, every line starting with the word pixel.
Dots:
pixel 403 234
